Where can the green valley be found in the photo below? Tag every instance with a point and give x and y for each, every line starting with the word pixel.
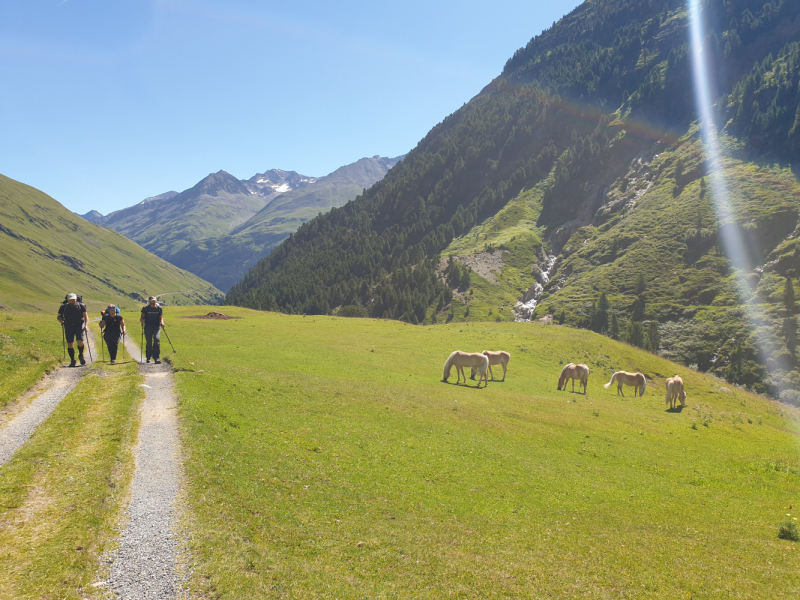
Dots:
pixel 575 187
pixel 48 251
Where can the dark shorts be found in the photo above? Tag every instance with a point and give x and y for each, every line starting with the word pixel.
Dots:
pixel 73 332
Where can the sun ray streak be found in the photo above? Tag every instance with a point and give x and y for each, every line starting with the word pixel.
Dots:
pixel 731 238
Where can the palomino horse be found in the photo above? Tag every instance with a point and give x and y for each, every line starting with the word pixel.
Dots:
pixel 495 358
pixel 675 392
pixel 637 380
pixel 573 371
pixel 459 360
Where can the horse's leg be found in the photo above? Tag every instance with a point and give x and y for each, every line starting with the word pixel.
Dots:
pixel 620 390
pixel 573 385
pixel 490 371
pixel 458 374
pixel 504 371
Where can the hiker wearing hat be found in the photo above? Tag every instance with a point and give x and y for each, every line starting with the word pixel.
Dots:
pixel 153 320
pixel 113 326
pixel 75 320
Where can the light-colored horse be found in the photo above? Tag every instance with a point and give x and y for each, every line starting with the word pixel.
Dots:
pixel 495 358
pixel 459 360
pixel 573 371
pixel 675 392
pixel 637 380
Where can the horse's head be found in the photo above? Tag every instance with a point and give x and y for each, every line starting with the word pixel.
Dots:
pixel 561 381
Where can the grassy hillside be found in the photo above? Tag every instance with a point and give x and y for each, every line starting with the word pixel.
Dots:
pixel 325 458
pixel 658 220
pixel 48 251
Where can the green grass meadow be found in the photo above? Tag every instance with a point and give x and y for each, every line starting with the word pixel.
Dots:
pixel 325 458
pixel 30 345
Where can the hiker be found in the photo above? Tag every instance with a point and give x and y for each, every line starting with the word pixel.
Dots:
pixel 75 320
pixel 112 325
pixel 153 320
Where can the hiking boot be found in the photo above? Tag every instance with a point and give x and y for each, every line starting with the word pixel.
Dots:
pixel 83 360
pixel 72 363
pixel 156 361
pixel 148 360
pixel 113 362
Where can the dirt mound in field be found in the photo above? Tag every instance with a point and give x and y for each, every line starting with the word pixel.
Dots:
pixel 212 315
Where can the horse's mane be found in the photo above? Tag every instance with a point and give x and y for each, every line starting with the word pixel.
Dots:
pixel 448 365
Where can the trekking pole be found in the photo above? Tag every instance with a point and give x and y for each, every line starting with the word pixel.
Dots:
pixel 88 346
pixel 102 339
pixel 123 345
pixel 63 344
pixel 169 340
pixel 141 357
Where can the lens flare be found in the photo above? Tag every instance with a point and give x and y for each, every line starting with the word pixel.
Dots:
pixel 731 239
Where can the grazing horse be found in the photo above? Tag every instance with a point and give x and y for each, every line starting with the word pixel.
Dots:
pixel 459 360
pixel 573 371
pixel 495 358
pixel 637 380
pixel 675 392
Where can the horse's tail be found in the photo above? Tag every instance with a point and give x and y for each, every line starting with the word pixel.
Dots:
pixel 585 375
pixel 644 385
pixel 448 365
pixel 669 390
pixel 608 385
pixel 484 367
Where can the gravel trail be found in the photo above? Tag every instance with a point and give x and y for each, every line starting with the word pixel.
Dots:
pixel 144 565
pixel 55 388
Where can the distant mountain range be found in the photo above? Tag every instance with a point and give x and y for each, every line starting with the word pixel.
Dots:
pixel 222 226
pixel 48 251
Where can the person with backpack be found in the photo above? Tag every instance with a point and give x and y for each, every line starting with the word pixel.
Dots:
pixel 112 325
pixel 75 320
pixel 152 320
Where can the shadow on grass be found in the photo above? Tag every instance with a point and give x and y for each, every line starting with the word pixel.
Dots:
pixel 464 385
pixel 677 410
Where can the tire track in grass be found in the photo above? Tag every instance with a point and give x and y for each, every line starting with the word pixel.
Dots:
pixel 17 431
pixel 145 564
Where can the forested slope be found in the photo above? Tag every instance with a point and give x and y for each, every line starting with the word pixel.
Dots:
pixel 587 125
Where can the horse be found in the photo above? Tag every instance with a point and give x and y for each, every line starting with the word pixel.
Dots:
pixel 675 392
pixel 573 371
pixel 637 380
pixel 495 358
pixel 459 360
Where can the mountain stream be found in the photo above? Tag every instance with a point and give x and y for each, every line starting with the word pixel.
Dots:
pixel 523 311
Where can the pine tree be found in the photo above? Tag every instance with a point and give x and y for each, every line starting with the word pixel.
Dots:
pixel 653 337
pixel 788 297
pixel 636 334
pixel 614 331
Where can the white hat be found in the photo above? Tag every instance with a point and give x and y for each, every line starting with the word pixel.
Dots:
pixel 151 298
pixel 71 297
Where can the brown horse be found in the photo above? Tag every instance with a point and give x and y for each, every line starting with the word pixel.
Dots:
pixel 573 371
pixel 637 380
pixel 459 360
pixel 675 392
pixel 495 358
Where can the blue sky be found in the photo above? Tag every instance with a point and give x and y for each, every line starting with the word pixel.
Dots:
pixel 106 102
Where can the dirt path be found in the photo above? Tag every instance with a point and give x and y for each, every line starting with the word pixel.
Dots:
pixel 52 390
pixel 144 565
